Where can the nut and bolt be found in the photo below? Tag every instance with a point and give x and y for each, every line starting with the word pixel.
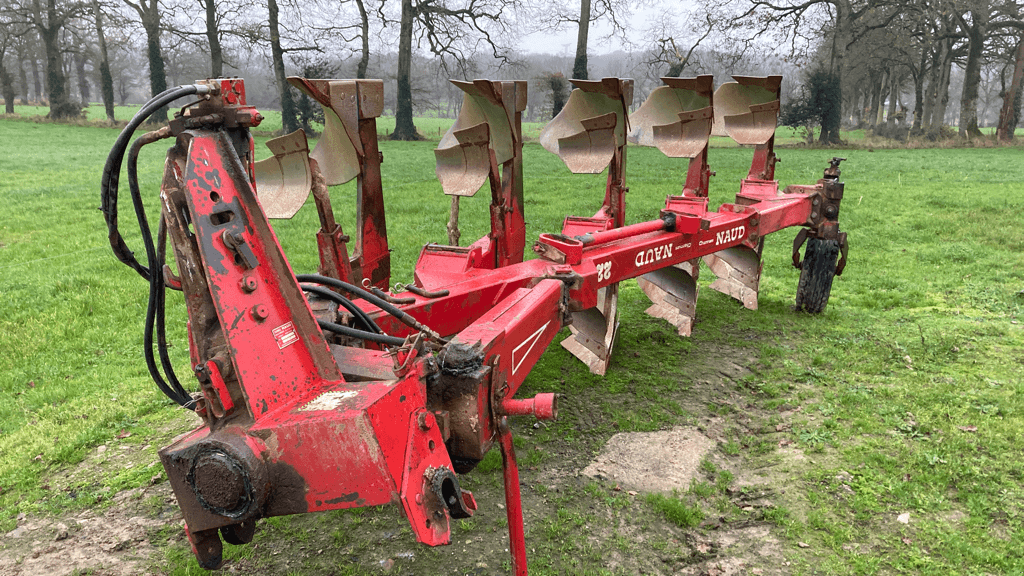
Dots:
pixel 260 312
pixel 248 284
pixel 423 422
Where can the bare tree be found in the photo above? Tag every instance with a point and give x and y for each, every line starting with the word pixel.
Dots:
pixel 1009 114
pixel 566 13
pixel 106 79
pixel 149 14
pixel 6 81
pixel 364 28
pixel 668 47
pixel 799 22
pixel 49 21
pixel 449 29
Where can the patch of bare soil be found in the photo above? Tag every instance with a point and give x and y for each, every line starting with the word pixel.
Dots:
pixel 583 501
pixel 116 537
pixel 660 461
pixel 113 542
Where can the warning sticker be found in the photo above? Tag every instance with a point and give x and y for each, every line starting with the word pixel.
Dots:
pixel 285 335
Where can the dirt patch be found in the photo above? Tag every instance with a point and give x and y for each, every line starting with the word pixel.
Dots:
pixel 660 461
pixel 115 542
pixel 742 550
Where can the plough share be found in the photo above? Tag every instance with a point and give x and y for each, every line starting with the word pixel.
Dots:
pixel 328 391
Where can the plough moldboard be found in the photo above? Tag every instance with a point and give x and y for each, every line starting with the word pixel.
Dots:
pixel 327 391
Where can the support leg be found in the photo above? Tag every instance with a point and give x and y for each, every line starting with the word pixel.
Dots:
pixel 513 500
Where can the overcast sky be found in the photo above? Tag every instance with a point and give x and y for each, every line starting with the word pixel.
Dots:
pixel 563 42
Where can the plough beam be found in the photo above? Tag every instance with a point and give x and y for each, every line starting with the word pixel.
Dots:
pixel 325 394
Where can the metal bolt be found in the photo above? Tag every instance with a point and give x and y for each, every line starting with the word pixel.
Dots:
pixel 260 312
pixel 248 284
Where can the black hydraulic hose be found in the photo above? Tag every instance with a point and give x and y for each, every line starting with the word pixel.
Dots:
pixel 155 308
pixel 161 310
pixel 112 170
pixel 361 334
pixel 378 302
pixel 155 313
pixel 359 313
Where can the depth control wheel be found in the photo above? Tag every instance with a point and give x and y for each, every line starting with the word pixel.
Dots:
pixel 816 274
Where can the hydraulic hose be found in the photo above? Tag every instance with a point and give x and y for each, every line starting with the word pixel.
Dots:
pixel 356 311
pixel 155 309
pixel 112 169
pixel 361 334
pixel 153 272
pixel 400 315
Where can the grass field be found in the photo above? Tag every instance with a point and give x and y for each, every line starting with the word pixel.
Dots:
pixel 429 128
pixel 903 398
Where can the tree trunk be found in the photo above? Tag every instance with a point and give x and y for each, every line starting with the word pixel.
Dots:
pixel 150 16
pixel 1016 107
pixel 919 92
pixel 7 88
pixel 894 96
pixel 579 66
pixel 883 85
pixel 364 60
pixel 213 38
pixel 876 95
pixel 22 75
pixel 1007 124
pixel 55 79
pixel 843 37
pixel 942 102
pixel 930 96
pixel 37 82
pixel 83 82
pixel 289 120
pixel 404 127
pixel 106 80
pixel 972 76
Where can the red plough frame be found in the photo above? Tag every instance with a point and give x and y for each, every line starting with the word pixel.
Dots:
pixel 326 392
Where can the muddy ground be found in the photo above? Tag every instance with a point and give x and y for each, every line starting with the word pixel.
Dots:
pixel 585 501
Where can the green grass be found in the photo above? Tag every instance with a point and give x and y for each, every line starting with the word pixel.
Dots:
pixel 907 388
pixel 431 128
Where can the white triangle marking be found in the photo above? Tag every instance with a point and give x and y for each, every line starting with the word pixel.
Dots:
pixel 532 341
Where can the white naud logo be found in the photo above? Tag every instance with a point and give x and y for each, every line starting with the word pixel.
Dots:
pixel 652 255
pixel 529 343
pixel 731 235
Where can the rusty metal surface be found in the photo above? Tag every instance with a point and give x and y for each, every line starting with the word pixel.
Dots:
pixel 676 118
pixel 754 127
pixel 736 98
pixel 284 180
pixel 594 331
pixel 338 148
pixel 486 121
pixel 294 424
pixel 463 163
pixel 739 273
pixel 673 294
pixel 591 126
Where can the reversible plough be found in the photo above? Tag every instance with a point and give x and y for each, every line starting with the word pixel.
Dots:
pixel 330 390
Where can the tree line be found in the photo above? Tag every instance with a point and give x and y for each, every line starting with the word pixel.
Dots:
pixel 882 62
pixel 886 64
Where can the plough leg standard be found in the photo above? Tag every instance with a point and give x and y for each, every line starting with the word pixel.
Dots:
pixel 328 391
